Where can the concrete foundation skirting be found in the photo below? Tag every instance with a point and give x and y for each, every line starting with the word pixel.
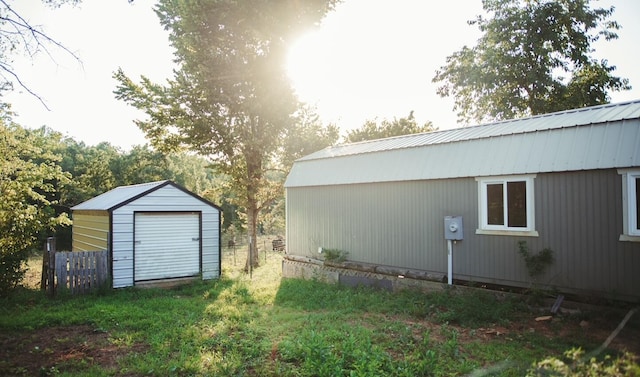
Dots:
pixel 355 274
pixel 385 277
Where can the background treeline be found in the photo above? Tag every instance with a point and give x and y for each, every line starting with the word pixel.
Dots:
pixel 84 172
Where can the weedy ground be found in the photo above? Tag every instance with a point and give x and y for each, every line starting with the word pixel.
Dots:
pixel 263 325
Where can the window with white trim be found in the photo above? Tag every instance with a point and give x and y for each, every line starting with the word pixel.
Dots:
pixel 506 204
pixel 631 202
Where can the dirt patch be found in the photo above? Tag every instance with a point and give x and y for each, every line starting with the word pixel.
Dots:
pixel 52 350
pixel 593 327
pixel 590 327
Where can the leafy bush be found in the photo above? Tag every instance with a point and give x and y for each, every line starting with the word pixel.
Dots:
pixel 335 255
pixel 575 364
pixel 12 269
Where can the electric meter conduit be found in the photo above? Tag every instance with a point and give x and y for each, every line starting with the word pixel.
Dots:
pixel 452 232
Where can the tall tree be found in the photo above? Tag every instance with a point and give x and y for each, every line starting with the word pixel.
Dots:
pixel 230 98
pixel 533 58
pixel 372 130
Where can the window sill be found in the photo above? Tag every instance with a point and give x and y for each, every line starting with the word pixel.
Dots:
pixel 530 233
pixel 628 238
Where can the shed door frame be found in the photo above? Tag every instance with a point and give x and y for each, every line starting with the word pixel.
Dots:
pixel 199 213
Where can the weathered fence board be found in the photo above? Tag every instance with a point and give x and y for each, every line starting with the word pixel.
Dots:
pixel 47 283
pixel 81 271
pixel 77 272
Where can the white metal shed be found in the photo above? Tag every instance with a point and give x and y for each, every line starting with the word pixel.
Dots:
pixel 155 232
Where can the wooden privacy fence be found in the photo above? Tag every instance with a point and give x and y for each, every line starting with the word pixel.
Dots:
pixel 78 272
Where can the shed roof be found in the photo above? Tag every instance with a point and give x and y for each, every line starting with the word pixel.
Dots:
pixel 606 136
pixel 123 195
pixel 111 199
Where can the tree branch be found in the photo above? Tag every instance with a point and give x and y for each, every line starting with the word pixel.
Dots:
pixel 8 70
pixel 33 41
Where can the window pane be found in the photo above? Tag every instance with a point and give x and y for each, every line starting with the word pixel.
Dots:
pixel 495 204
pixel 637 203
pixel 517 204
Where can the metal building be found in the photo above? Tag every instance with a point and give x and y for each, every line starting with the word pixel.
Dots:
pixel 568 181
pixel 155 232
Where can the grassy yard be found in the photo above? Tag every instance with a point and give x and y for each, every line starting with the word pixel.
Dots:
pixel 266 326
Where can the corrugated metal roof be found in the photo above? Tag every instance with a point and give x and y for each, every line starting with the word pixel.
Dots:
pixel 117 196
pixel 597 137
pixel 563 119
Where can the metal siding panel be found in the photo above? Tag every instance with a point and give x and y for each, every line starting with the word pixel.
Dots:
pixel 123 238
pixel 461 150
pixel 122 258
pixel 122 228
pixel 628 151
pixel 578 216
pixel 397 224
pixel 610 143
pixel 122 241
pixel 579 231
pixel 496 164
pixel 547 155
pixel 90 232
pixel 122 272
pixel 568 139
pixel 592 149
pixel 210 244
pixel 122 247
pixel 519 149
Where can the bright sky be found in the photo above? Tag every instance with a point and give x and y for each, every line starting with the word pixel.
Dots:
pixel 370 59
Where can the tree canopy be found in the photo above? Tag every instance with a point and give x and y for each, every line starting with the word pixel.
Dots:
pixel 372 130
pixel 534 57
pixel 29 176
pixel 231 98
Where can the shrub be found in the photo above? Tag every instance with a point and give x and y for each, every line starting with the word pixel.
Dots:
pixel 12 269
pixel 335 255
pixel 575 364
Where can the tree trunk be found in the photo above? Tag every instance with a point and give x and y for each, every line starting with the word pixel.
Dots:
pixel 252 229
pixel 254 156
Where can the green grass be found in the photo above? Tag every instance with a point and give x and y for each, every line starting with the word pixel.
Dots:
pixel 268 326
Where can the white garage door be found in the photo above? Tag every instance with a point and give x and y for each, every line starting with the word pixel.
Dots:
pixel 167 245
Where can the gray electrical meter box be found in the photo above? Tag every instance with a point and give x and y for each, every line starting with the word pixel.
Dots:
pixel 453 228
